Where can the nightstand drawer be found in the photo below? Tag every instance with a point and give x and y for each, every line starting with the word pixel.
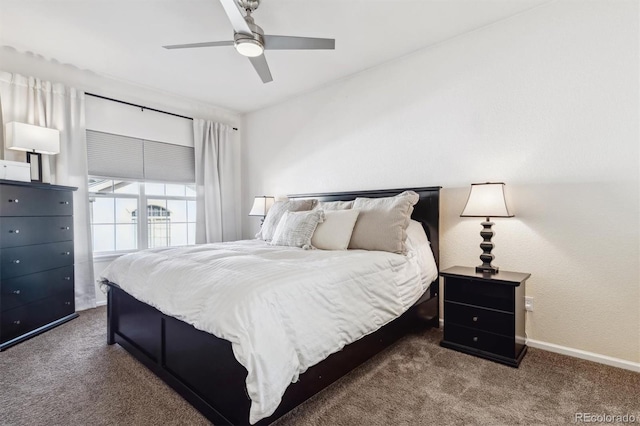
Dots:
pixel 23 231
pixel 18 321
pixel 29 288
pixel 479 293
pixel 30 201
pixel 18 261
pixel 479 340
pixel 479 318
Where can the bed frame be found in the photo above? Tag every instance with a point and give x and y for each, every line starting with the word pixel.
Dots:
pixel 202 367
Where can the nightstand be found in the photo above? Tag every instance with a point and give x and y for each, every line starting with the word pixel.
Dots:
pixel 484 314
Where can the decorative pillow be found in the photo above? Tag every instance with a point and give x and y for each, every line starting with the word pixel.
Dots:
pixel 383 222
pixel 335 232
pixel 334 205
pixel 275 213
pixel 296 228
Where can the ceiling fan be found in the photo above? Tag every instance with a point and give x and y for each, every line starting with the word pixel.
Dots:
pixel 250 41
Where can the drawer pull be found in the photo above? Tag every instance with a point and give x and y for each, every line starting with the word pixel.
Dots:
pixel 16 261
pixel 17 322
pixel 14 231
pixel 475 319
pixel 475 339
pixel 64 228
pixel 67 278
pixel 14 201
pixel 64 202
pixel 65 253
pixel 16 291
pixel 67 303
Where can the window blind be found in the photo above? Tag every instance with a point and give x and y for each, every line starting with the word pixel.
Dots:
pixel 117 156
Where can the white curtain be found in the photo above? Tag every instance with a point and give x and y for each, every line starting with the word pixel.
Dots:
pixel 217 186
pixel 42 103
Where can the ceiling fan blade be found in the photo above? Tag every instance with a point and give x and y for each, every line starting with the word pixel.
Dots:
pixel 262 68
pixel 205 44
pixel 235 16
pixel 275 42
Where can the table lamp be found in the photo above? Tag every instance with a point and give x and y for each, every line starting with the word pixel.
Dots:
pixel 261 206
pixel 486 200
pixel 35 140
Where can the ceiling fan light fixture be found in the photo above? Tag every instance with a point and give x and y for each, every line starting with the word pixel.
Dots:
pixel 249 47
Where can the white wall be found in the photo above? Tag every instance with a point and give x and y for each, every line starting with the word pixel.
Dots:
pixel 547 101
pixel 107 116
pixel 112 117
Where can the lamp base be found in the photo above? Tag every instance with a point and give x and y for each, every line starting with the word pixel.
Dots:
pixel 486 245
pixel 487 269
pixel 35 160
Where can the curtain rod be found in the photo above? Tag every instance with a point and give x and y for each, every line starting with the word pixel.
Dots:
pixel 142 107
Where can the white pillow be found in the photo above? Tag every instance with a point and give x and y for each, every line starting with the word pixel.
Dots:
pixel 382 223
pixel 334 205
pixel 296 228
pixel 275 213
pixel 335 232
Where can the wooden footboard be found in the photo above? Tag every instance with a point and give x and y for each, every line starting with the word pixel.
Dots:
pixel 204 371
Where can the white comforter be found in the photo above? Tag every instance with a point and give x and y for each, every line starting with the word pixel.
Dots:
pixel 283 309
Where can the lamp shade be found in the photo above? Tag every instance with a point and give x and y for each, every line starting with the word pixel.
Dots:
pixel 27 137
pixel 486 200
pixel 261 205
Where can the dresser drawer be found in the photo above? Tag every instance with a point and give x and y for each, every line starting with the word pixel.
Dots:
pixel 21 320
pixel 29 201
pixel 18 261
pixel 22 231
pixel 480 340
pixel 479 318
pixel 479 293
pixel 29 288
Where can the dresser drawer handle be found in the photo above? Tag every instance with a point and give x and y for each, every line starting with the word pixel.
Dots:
pixel 16 292
pixel 475 339
pixel 16 261
pixel 64 228
pixel 65 253
pixel 14 201
pixel 64 202
pixel 475 319
pixel 14 231
pixel 17 322
pixel 67 303
pixel 67 278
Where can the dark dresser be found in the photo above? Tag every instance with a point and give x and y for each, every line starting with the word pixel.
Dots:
pixel 36 259
pixel 484 314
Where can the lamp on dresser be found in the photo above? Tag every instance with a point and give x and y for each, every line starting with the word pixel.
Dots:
pixel 261 205
pixel 486 200
pixel 35 140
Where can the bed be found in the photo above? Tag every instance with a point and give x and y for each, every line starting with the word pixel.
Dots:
pixel 204 369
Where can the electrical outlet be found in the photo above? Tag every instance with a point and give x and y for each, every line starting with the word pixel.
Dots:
pixel 528 303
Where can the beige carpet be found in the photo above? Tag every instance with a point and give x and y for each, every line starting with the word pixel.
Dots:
pixel 69 376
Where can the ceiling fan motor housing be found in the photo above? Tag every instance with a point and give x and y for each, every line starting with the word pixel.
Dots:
pixel 250 45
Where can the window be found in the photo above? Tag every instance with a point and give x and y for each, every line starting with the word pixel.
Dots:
pixel 141 193
pixel 168 216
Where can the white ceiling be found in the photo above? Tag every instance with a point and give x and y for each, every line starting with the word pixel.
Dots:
pixel 123 39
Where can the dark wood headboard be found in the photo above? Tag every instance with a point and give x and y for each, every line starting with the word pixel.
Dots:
pixel 426 211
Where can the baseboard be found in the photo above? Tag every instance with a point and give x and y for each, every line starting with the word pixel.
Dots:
pixel 589 356
pixel 101 303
